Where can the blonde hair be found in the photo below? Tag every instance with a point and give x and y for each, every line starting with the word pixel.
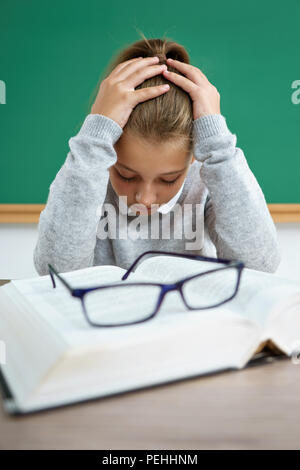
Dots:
pixel 167 118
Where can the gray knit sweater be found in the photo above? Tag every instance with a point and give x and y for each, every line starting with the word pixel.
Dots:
pixel 228 217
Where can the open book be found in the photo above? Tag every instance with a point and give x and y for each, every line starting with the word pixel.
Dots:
pixel 55 358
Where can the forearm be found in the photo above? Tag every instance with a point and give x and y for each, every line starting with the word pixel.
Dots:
pixel 68 224
pixel 236 212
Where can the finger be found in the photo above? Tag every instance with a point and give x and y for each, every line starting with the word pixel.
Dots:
pixel 144 94
pixel 141 75
pixel 186 84
pixel 122 65
pixel 193 73
pixel 122 74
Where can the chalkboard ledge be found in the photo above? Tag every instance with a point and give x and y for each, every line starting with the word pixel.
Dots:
pixel 30 213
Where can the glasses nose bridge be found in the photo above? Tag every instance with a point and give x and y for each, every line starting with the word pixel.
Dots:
pixel 169 288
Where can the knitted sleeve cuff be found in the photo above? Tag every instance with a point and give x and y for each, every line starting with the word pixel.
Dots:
pixel 209 125
pixel 97 125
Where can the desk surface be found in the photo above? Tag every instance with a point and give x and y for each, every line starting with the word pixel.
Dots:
pixel 254 408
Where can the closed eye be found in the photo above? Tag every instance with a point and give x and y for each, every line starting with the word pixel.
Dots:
pixel 133 178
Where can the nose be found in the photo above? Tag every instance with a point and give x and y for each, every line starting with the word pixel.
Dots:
pixel 146 196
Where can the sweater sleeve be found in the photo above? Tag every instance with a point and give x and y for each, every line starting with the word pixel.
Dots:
pixel 68 224
pixel 236 213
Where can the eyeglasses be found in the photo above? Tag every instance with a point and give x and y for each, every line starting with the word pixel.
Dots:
pixel 121 304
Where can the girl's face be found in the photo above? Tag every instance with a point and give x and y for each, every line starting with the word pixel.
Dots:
pixel 147 173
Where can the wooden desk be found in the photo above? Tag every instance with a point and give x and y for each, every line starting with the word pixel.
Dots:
pixel 254 408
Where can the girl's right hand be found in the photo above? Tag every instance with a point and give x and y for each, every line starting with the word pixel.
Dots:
pixel 117 97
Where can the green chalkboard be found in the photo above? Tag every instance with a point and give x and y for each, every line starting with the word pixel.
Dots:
pixel 52 54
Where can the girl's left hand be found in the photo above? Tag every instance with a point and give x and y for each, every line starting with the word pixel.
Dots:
pixel 205 96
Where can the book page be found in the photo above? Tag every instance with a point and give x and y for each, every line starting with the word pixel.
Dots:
pixel 259 293
pixel 56 305
pixel 285 331
pixel 193 345
pixel 65 314
pixel 30 349
pixel 175 343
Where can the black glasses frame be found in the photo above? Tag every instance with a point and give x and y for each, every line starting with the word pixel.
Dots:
pixel 164 288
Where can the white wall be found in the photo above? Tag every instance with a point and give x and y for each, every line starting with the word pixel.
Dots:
pixel 17 242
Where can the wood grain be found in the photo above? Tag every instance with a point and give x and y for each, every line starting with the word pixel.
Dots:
pixel 30 213
pixel 253 408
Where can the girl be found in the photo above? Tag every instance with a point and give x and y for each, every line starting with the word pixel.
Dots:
pixel 145 153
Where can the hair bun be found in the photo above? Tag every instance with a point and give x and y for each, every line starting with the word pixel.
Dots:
pixel 163 49
pixel 162 57
pixel 177 52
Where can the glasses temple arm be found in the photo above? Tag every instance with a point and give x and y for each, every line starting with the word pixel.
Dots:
pixel 129 270
pixel 220 260
pixel 53 271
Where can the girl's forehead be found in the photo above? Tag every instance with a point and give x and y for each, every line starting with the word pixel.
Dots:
pixel 133 149
pixel 129 141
